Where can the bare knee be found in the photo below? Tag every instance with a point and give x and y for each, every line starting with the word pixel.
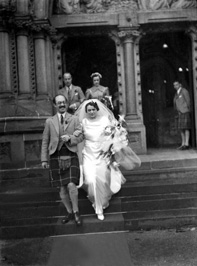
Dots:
pixel 72 188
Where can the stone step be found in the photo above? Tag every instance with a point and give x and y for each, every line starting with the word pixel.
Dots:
pixel 14 180
pixel 133 220
pixel 157 195
pixel 112 222
pixel 137 188
pixel 13 214
pixel 161 219
pixel 51 209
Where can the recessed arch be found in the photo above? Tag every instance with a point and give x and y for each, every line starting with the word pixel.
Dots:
pixel 164 57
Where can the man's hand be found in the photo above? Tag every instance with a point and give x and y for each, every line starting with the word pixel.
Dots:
pixel 65 138
pixel 45 165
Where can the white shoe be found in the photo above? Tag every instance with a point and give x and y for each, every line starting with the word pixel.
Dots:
pixel 100 217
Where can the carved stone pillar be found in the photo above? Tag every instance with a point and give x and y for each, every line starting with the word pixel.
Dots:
pixel 43 99
pixel 5 72
pixel 41 8
pixel 22 7
pixel 40 58
pixel 133 109
pixel 193 35
pixel 128 45
pixel 23 63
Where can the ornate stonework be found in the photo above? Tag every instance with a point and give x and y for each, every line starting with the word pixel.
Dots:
pixel 166 4
pixel 94 6
pixel 32 65
pixel 14 67
pixel 8 6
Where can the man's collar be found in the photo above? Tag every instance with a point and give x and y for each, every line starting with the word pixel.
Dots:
pixel 179 90
pixel 59 115
pixel 69 87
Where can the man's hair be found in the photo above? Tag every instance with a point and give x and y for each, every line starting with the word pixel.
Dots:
pixel 67 73
pixel 59 94
pixel 92 103
pixel 176 81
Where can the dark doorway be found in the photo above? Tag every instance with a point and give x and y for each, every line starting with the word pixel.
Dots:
pixel 84 55
pixel 164 58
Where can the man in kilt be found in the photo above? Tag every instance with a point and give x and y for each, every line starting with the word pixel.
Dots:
pixel 182 105
pixel 61 135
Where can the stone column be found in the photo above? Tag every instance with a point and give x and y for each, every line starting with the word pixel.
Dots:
pixel 40 58
pixel 5 69
pixel 41 8
pixel 43 100
pixel 129 61
pixel 23 63
pixel 193 36
pixel 136 130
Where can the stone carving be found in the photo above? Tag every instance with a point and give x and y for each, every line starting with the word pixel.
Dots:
pixel 153 4
pixel 32 65
pixel 94 6
pixel 166 4
pixel 184 4
pixel 7 6
pixel 68 6
pixel 14 66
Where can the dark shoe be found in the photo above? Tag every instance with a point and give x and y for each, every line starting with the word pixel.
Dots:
pixel 186 147
pixel 67 218
pixel 182 147
pixel 78 220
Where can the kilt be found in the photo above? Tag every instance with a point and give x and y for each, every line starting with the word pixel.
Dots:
pixel 60 177
pixel 184 120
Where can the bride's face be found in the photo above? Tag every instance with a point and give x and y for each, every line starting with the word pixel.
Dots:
pixel 91 111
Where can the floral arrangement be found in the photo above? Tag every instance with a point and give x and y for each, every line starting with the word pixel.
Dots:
pixel 113 139
pixel 107 100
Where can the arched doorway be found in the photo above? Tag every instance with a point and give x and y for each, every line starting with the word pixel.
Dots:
pixel 84 55
pixel 164 58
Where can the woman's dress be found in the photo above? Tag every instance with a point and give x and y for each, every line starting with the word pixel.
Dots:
pixel 95 170
pixel 97 92
pixel 105 146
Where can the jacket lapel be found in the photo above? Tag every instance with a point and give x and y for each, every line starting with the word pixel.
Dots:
pixel 67 120
pixel 55 121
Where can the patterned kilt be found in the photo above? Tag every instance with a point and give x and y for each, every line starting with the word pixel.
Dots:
pixel 184 121
pixel 60 177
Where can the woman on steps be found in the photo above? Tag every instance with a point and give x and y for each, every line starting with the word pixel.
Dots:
pixel 102 153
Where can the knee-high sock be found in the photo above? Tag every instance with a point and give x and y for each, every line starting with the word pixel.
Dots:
pixel 65 199
pixel 73 192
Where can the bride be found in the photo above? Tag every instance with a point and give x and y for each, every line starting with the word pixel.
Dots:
pixel 101 154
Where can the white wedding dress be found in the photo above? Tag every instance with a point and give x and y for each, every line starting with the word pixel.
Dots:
pixel 99 177
pixel 95 170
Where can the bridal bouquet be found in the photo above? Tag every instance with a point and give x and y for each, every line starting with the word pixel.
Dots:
pixel 115 147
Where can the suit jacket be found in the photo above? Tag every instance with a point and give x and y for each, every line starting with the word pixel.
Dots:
pixel 77 95
pixel 182 101
pixel 51 135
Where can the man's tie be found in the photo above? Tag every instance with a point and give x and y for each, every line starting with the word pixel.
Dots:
pixel 62 119
pixel 69 94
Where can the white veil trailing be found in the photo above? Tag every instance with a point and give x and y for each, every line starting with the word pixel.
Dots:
pixel 81 114
pixel 103 110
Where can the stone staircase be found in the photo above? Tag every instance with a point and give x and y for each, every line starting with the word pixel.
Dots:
pixel 160 194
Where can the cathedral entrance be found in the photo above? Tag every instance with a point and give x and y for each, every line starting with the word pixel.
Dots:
pixel 83 56
pixel 164 58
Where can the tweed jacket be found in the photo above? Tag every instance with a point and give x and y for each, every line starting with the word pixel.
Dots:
pixel 51 135
pixel 182 101
pixel 77 95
